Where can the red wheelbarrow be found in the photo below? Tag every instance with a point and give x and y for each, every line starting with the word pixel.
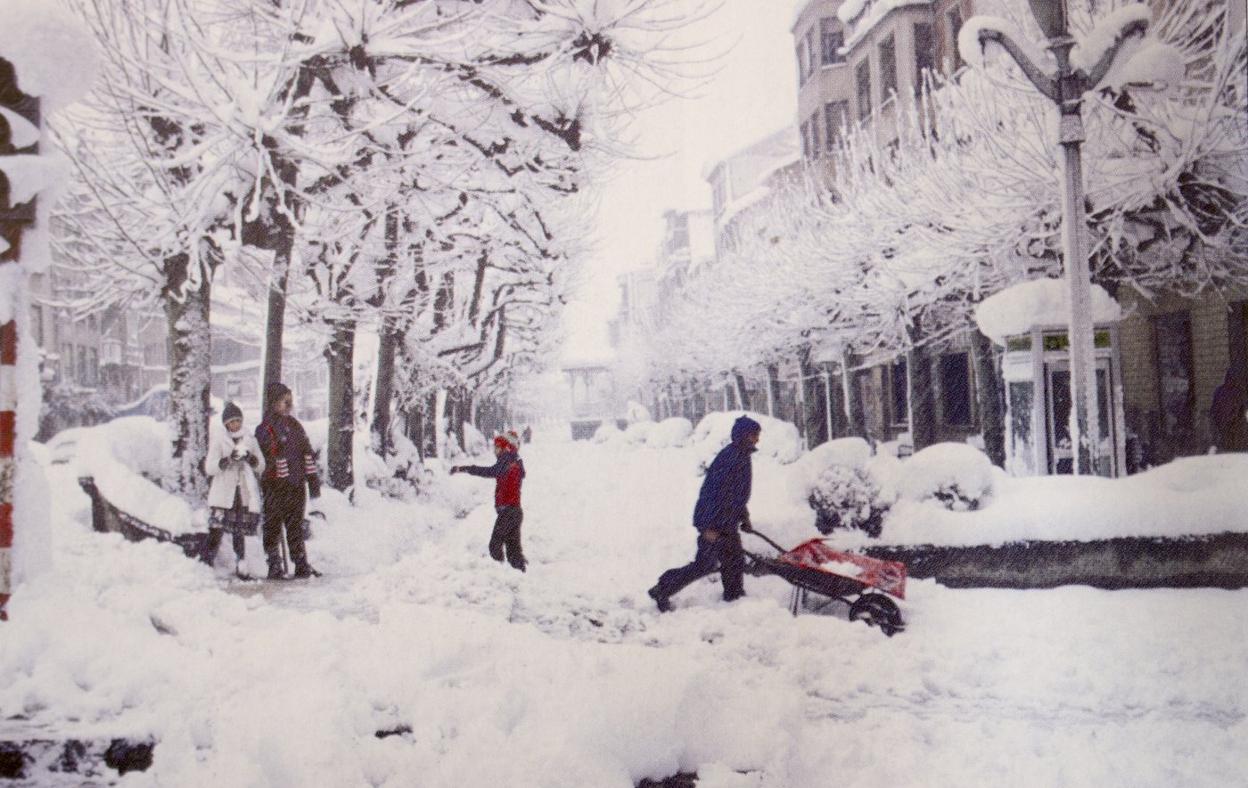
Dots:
pixel 814 567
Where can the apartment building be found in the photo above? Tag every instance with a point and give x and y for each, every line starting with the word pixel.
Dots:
pixel 744 178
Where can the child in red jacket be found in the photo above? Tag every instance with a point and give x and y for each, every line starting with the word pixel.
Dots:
pixel 508 474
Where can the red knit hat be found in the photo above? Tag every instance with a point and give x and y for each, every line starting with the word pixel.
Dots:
pixel 503 443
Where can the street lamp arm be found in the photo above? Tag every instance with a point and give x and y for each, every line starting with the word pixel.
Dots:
pixel 1136 27
pixel 1043 82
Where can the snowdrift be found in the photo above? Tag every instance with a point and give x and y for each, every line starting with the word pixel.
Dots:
pixel 127 457
pixel 780 440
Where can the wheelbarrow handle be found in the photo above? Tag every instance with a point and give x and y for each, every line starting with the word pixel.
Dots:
pixel 766 539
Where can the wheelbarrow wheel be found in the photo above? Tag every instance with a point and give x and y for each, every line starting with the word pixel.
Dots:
pixel 877 610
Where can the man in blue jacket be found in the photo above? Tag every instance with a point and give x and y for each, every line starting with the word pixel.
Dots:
pixel 720 511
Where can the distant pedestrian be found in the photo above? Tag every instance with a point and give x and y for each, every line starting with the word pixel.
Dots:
pixel 1227 414
pixel 233 462
pixel 721 509
pixel 527 435
pixel 508 476
pixel 291 467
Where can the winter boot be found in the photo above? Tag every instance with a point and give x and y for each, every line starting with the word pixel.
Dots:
pixel 304 570
pixel 664 604
pixel 275 571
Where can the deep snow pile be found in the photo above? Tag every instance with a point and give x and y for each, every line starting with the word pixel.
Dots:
pixel 128 457
pixel 779 440
pixel 566 675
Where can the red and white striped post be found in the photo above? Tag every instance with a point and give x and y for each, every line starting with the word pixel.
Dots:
pixel 15 108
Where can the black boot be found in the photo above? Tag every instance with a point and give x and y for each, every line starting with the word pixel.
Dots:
pixel 665 604
pixel 275 570
pixel 304 570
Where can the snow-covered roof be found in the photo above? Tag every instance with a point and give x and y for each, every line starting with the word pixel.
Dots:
pixel 1040 302
pixel 868 14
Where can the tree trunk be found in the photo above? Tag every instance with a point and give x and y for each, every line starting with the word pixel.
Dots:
pixel 190 380
pixel 922 396
pixel 338 447
pixel 813 413
pixel 773 392
pixel 383 398
pixel 429 425
pixel 851 393
pixel 460 413
pixel 743 396
pixel 989 396
pixel 275 323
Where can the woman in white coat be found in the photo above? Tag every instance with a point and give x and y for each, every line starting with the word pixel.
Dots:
pixel 234 463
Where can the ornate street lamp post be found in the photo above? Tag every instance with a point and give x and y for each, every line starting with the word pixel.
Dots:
pixel 1066 88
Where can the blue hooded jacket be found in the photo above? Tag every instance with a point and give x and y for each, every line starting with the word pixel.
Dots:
pixel 726 489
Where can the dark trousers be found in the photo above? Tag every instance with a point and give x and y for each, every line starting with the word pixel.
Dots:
pixel 506 536
pixel 283 509
pixel 723 554
pixel 213 544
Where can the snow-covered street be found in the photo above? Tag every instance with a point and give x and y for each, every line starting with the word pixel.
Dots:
pixel 568 676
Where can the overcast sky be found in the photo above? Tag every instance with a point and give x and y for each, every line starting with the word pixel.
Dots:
pixel 753 93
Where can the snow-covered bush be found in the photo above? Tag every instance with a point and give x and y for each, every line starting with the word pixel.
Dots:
pixel 780 439
pixel 474 441
pixel 607 432
pixel 846 496
pixel 834 480
pixel 956 474
pixel 638 432
pixel 638 412
pixel 669 433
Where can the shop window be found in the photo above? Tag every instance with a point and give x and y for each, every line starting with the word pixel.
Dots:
pixel 1173 337
pixel 955 389
pixel 899 392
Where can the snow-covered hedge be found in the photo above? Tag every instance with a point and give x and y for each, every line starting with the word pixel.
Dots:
pixel 780 439
pixel 128 457
pixel 669 433
pixel 956 474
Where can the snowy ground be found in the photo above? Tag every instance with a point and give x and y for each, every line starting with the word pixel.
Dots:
pixel 567 676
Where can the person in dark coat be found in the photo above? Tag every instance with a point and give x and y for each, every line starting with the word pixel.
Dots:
pixel 720 511
pixel 289 466
pixel 1226 414
pixel 508 475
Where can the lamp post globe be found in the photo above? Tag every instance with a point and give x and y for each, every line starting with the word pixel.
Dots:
pixel 1051 15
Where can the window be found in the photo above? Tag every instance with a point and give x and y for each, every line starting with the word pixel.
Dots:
pixel 833 40
pixel 816 150
pixel 801 63
pixel 719 195
pixel 1173 335
pixel 924 54
pixel 862 79
pixel 955 389
pixel 888 67
pixel 812 52
pixel 899 392
pixel 954 20
pixel 835 118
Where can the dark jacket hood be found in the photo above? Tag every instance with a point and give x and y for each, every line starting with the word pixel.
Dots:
pixel 743 426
